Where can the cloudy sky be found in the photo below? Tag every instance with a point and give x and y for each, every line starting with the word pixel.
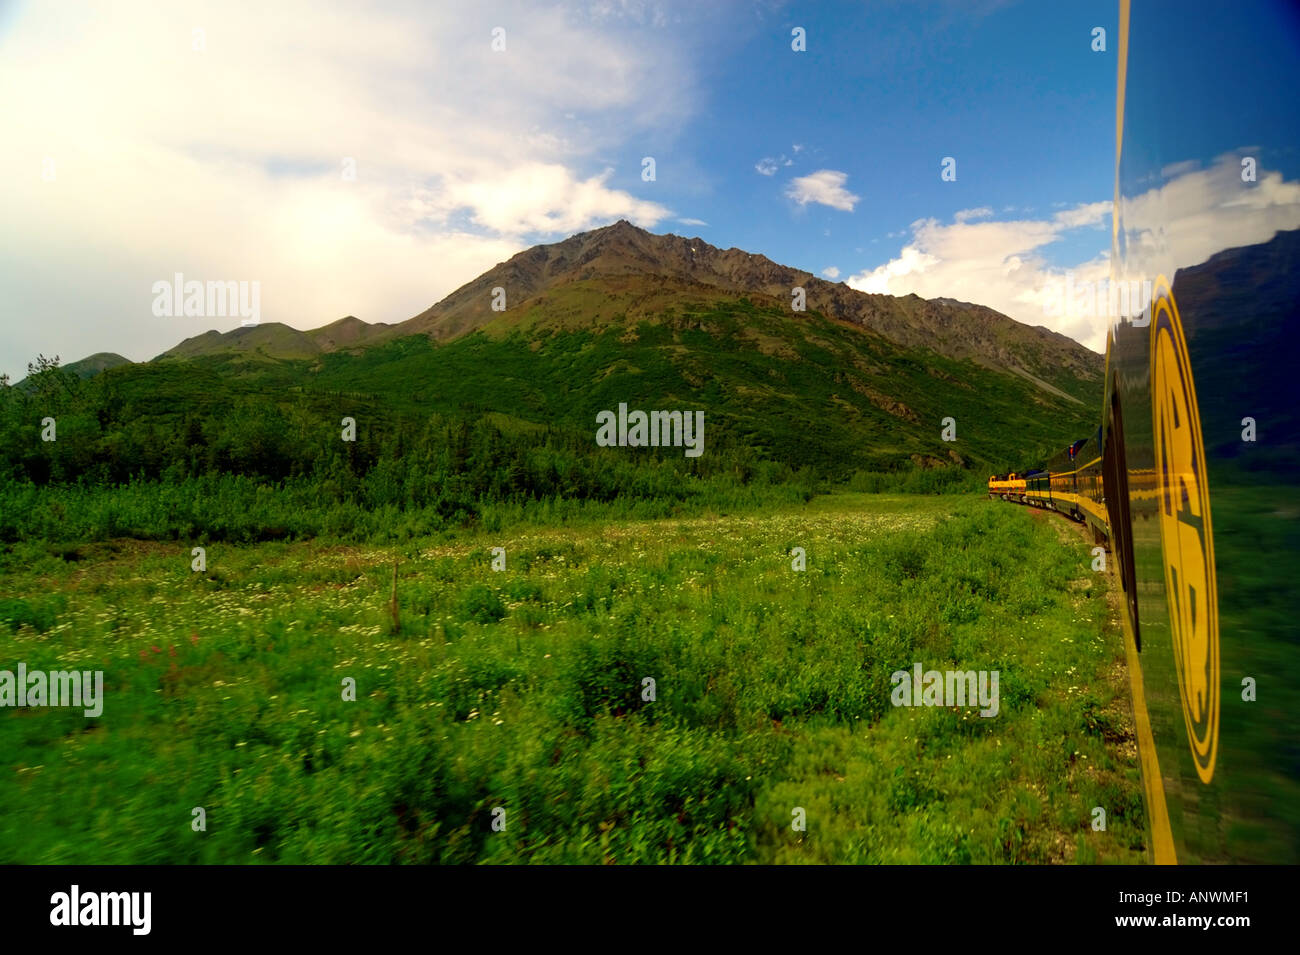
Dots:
pixel 216 140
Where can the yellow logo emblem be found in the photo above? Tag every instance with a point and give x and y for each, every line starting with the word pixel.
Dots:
pixel 1186 539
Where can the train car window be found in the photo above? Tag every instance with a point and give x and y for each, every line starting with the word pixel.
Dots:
pixel 1115 490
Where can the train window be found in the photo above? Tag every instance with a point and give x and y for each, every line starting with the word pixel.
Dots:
pixel 1115 490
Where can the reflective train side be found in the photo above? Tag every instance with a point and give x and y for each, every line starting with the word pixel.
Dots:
pixel 1193 478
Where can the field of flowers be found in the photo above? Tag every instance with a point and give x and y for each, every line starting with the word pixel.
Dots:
pixel 505 715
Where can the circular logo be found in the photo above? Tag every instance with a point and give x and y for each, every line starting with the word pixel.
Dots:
pixel 1186 539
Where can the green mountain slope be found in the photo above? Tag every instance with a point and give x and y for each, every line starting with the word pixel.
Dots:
pixel 802 391
pixel 100 361
pixel 620 271
pixel 271 340
pixel 854 383
pixel 87 367
pixel 594 276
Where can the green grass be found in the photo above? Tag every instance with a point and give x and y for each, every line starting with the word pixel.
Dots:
pixel 523 689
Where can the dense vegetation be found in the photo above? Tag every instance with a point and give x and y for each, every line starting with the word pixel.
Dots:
pixel 523 689
pixel 248 447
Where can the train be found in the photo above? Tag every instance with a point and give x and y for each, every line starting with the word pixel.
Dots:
pixel 1070 484
pixel 1192 479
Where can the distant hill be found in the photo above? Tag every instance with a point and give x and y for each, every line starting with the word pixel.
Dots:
pixel 89 366
pixel 349 332
pixel 94 364
pixel 277 341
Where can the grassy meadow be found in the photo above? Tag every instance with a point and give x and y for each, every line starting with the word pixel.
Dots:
pixel 523 689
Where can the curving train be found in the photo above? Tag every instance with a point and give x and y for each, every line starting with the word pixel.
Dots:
pixel 1071 484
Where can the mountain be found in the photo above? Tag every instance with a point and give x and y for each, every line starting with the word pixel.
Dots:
pixel 1240 310
pixel 635 274
pixel 275 340
pixel 100 361
pixel 623 272
pixel 855 382
pixel 349 332
pixel 87 367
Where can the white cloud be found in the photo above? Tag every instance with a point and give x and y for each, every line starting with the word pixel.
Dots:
pixel 831 272
pixel 1089 213
pixel 1000 263
pixel 695 222
pixel 880 281
pixel 539 197
pixel 1205 210
pixel 768 166
pixel 826 187
pixel 965 215
pixel 993 263
pixel 1175 169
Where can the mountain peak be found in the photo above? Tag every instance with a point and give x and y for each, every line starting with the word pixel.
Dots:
pixel 620 228
pixel 621 272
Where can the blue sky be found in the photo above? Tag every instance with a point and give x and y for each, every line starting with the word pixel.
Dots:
pixel 212 140
pixel 883 93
